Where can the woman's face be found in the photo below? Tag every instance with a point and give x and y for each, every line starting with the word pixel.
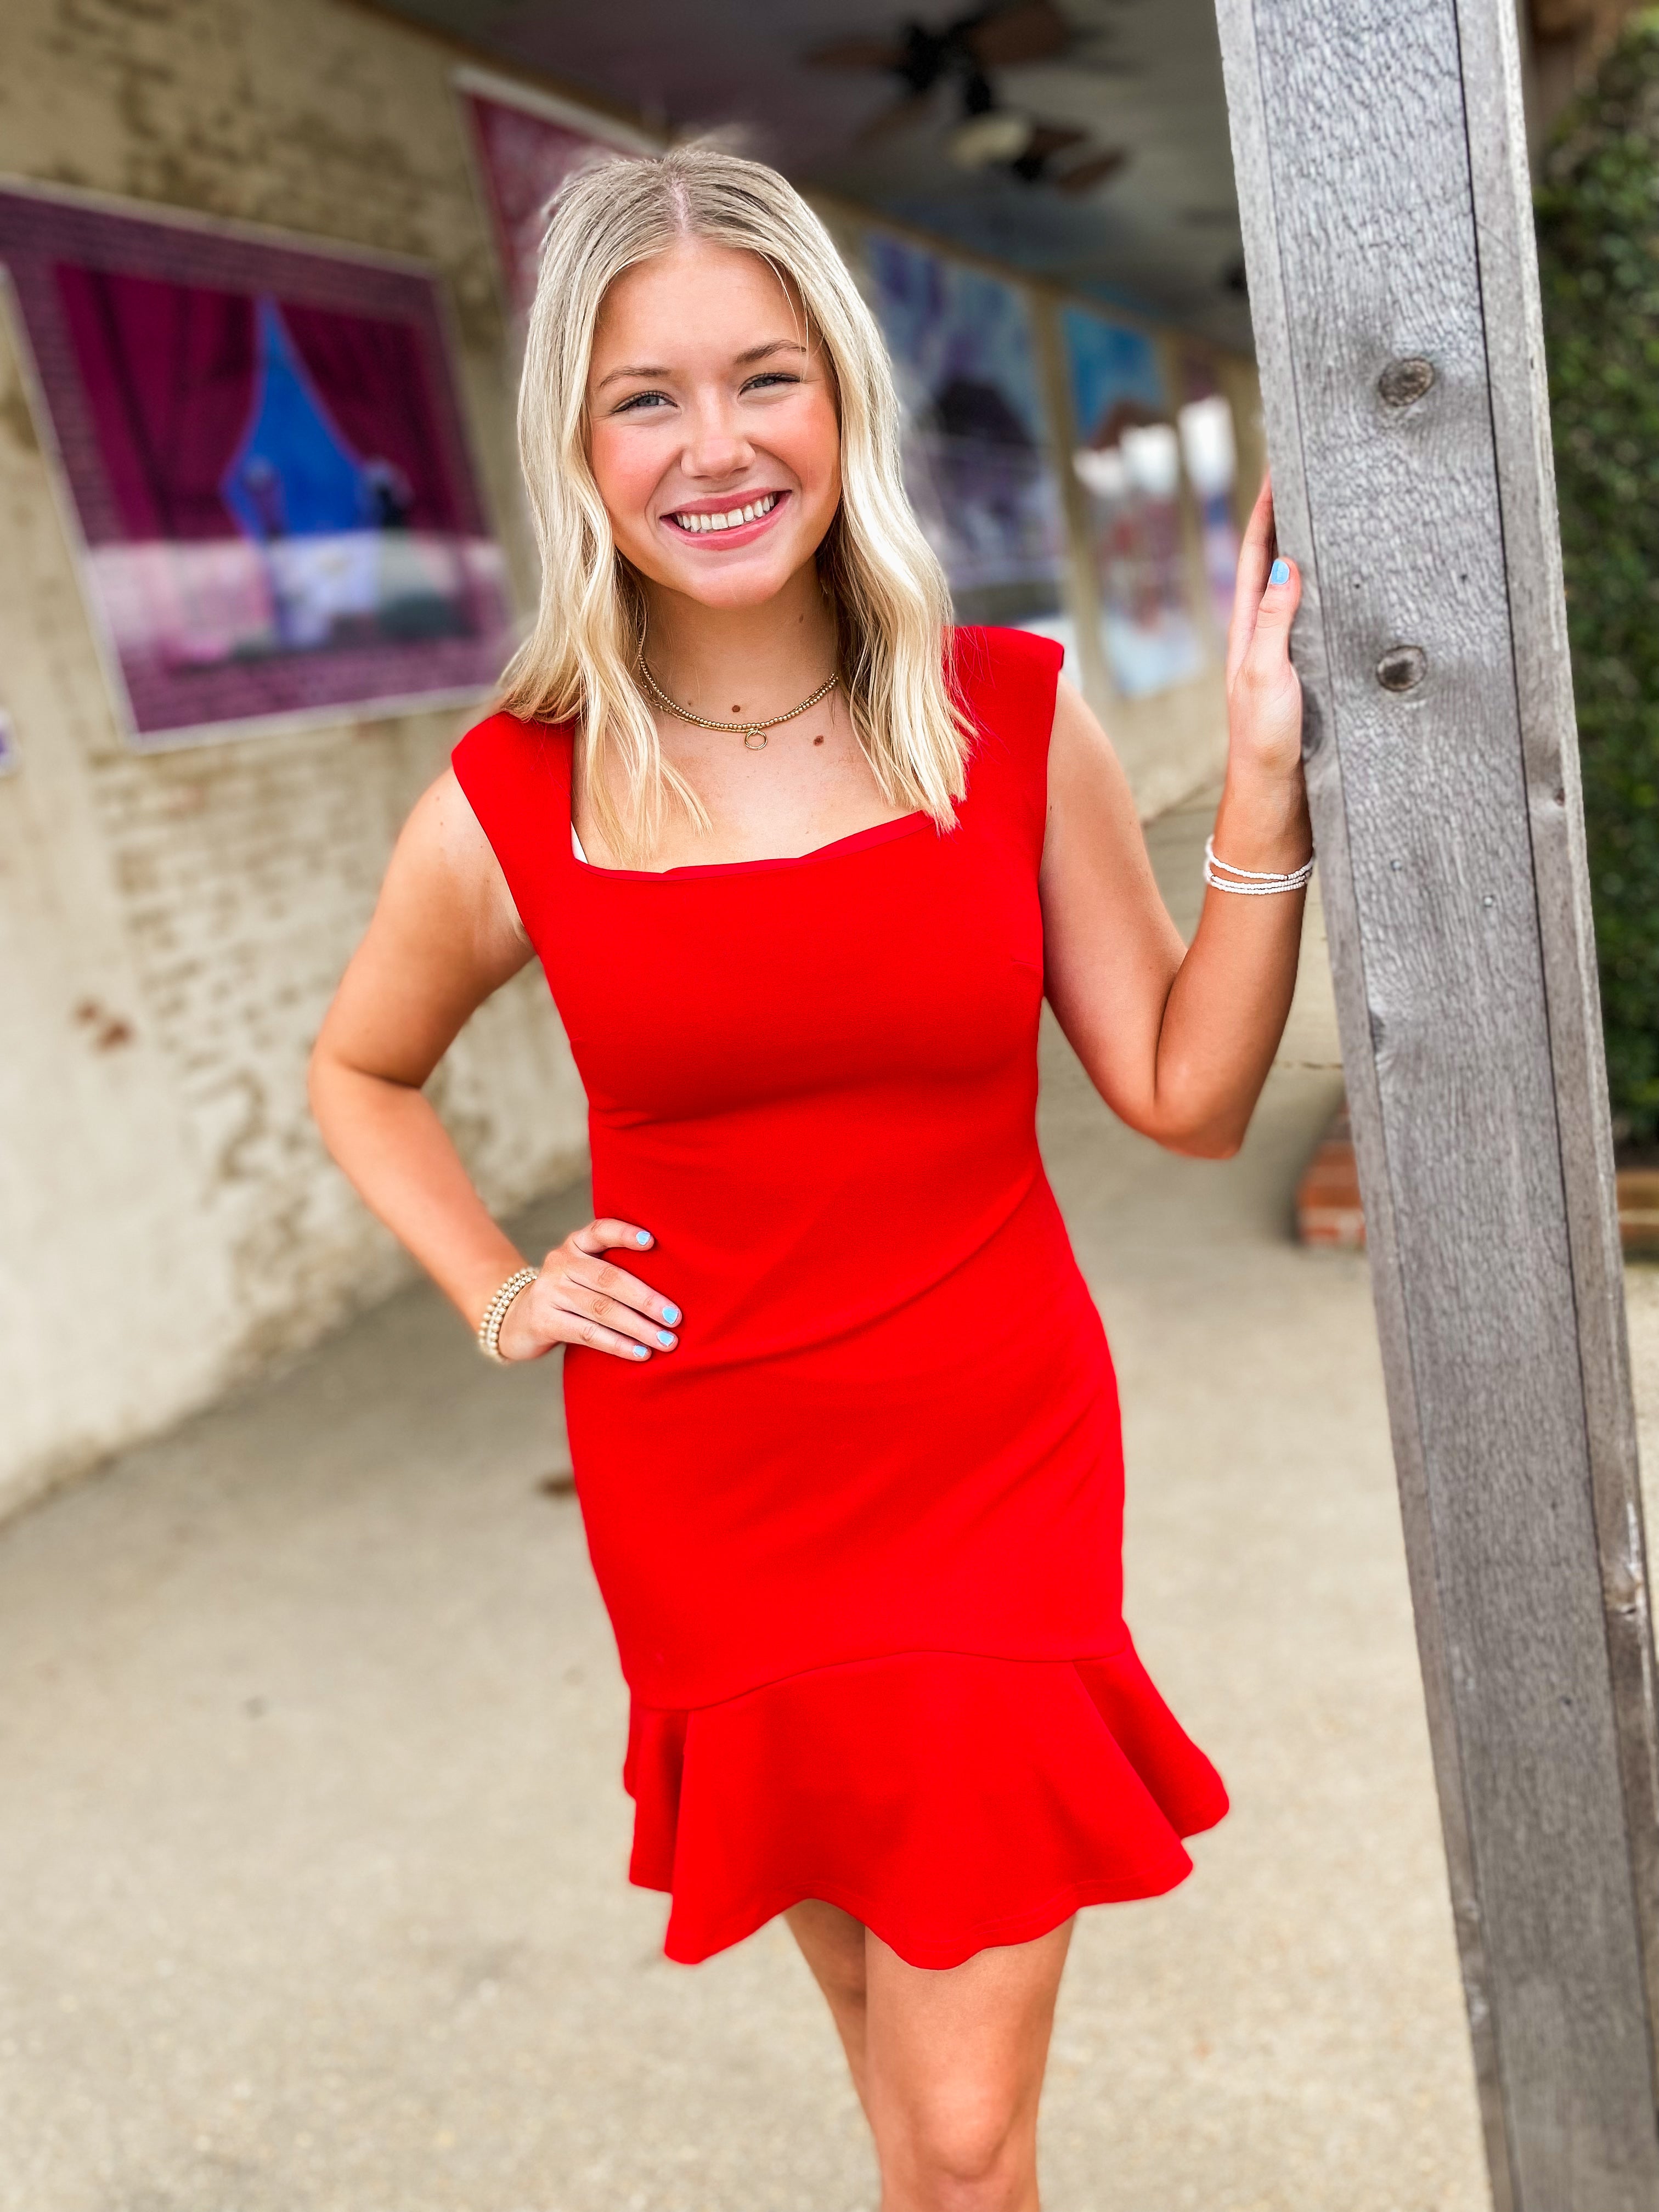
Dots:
pixel 712 426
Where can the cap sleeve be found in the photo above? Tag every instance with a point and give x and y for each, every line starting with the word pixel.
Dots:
pixel 1007 680
pixel 516 776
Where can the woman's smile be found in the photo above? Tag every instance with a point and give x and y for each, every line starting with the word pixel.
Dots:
pixel 737 520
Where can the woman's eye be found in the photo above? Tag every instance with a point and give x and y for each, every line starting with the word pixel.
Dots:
pixel 770 376
pixel 643 399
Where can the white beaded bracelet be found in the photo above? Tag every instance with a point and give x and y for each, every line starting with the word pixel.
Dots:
pixel 1251 883
pixel 489 1328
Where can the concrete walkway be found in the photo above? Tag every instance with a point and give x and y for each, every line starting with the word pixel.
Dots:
pixel 312 1840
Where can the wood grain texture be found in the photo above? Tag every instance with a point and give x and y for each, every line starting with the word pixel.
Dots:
pixel 1366 138
pixel 1249 126
pixel 1520 400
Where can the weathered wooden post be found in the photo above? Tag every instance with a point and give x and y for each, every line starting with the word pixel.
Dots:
pixel 1381 155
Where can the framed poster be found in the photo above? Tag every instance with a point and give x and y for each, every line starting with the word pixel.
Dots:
pixel 263 458
pixel 526 144
pixel 1128 460
pixel 977 438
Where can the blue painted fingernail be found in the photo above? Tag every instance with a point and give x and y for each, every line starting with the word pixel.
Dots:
pixel 642 1236
pixel 665 1340
pixel 641 1352
pixel 671 1313
pixel 1279 573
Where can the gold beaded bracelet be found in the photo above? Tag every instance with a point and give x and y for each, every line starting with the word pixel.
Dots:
pixel 489 1328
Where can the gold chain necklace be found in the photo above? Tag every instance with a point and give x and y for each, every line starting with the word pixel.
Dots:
pixel 750 731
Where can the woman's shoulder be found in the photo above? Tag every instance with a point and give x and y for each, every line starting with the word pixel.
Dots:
pixel 1006 678
pixel 503 743
pixel 516 776
pixel 991 646
pixel 1005 681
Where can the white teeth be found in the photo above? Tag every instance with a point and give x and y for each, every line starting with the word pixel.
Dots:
pixel 732 520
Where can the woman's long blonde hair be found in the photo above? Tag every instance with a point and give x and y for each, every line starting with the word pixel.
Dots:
pixel 581 661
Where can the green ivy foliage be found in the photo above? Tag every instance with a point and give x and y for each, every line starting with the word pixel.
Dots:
pixel 1598 235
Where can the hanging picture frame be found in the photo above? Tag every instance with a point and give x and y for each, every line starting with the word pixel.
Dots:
pixel 525 143
pixel 976 436
pixel 262 466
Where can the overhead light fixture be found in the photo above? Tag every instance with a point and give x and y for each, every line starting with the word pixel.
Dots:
pixel 979 141
pixel 963 55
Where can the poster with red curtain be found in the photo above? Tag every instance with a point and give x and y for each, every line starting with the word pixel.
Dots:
pixel 263 454
pixel 526 144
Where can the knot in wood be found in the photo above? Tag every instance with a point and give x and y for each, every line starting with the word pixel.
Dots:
pixel 1404 381
pixel 1402 668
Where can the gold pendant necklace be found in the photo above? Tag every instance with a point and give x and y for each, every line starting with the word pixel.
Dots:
pixel 749 731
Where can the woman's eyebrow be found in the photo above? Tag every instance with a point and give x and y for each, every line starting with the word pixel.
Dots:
pixel 772 345
pixel 742 361
pixel 614 374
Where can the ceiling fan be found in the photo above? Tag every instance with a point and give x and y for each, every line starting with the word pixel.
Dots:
pixel 960 56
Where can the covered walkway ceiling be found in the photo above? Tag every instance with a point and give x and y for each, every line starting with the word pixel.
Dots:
pixel 1100 125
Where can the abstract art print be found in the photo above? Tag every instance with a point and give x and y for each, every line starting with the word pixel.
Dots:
pixel 1128 460
pixel 263 455
pixel 526 145
pixel 976 437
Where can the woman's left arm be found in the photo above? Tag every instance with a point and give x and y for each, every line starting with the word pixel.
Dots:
pixel 1178 1040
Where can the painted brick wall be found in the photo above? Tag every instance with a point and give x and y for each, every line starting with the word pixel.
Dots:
pixel 171 926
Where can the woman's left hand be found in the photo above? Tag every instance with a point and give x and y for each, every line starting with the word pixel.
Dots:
pixel 1264 696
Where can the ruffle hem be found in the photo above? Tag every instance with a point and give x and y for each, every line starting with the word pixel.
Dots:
pixel 949 1801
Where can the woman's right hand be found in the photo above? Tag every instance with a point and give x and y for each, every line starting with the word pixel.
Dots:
pixel 580 1297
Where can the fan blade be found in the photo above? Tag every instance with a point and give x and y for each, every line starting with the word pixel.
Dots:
pixel 1093 169
pixel 1048 139
pixel 1029 31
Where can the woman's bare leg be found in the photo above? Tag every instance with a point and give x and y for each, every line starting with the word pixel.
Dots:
pixel 832 1943
pixel 954 2072
pixel 948 2065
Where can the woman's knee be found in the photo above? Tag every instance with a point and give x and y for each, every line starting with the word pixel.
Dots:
pixel 967 2150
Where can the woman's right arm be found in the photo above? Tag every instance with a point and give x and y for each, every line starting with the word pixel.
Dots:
pixel 445 935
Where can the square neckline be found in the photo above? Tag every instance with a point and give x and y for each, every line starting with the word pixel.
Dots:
pixel 879 833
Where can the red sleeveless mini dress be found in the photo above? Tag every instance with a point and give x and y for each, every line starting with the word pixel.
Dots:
pixel 860 1536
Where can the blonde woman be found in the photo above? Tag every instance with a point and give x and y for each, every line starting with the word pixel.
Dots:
pixel 800 863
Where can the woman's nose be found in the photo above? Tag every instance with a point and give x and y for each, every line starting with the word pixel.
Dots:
pixel 716 446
